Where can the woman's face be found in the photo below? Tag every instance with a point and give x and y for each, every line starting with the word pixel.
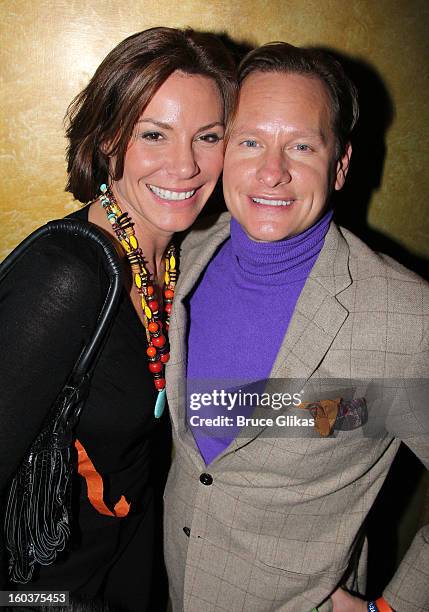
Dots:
pixel 175 155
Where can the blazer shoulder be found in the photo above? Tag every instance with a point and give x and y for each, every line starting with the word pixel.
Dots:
pixel 389 304
pixel 371 263
pixel 382 284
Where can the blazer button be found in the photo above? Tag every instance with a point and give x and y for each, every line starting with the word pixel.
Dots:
pixel 187 531
pixel 206 479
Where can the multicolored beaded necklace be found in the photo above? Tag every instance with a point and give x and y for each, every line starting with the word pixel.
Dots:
pixel 158 351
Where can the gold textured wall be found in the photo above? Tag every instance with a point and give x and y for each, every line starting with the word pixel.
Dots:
pixel 49 49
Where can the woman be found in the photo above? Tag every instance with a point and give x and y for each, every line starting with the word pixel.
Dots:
pixel 149 129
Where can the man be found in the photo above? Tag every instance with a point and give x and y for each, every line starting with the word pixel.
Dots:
pixel 258 518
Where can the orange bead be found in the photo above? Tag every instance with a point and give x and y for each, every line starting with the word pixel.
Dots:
pixel 151 351
pixel 153 305
pixel 149 290
pixel 155 366
pixel 169 294
pixel 153 327
pixel 158 341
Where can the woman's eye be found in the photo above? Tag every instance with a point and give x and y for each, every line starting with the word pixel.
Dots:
pixel 152 136
pixel 250 143
pixel 210 138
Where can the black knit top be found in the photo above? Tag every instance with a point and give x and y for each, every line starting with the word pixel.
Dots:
pixel 49 305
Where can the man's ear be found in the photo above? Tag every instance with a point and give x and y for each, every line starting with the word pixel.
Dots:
pixel 343 167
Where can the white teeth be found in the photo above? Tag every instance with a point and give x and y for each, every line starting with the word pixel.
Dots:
pixel 272 202
pixel 166 194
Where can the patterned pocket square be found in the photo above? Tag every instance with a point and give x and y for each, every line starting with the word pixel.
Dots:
pixel 351 414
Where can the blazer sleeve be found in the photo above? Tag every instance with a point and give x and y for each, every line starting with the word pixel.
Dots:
pixel 49 304
pixel 408 591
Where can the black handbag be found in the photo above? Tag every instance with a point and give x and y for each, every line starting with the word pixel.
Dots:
pixel 38 509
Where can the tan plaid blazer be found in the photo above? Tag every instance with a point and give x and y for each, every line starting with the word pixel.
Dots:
pixel 273 527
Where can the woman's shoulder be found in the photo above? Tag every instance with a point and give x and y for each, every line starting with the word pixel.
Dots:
pixel 81 213
pixel 59 264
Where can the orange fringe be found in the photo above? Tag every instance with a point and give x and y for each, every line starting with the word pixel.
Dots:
pixel 94 483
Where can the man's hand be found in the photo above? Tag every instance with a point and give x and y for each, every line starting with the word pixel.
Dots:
pixel 344 602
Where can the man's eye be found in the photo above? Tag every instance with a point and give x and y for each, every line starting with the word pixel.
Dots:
pixel 152 136
pixel 249 143
pixel 210 138
pixel 302 147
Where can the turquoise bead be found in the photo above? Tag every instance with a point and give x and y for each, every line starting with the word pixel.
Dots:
pixel 160 404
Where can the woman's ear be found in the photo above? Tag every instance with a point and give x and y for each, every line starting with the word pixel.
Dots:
pixel 105 148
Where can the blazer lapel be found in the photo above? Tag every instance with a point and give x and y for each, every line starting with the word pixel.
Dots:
pixel 318 314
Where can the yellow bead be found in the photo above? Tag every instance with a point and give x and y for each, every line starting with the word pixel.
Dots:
pixel 143 302
pixel 133 242
pixel 167 278
pixel 172 262
pixel 126 246
pixel 167 265
pixel 138 280
pixel 148 312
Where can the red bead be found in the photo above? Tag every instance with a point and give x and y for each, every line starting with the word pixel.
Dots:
pixel 153 305
pixel 151 351
pixel 155 366
pixel 165 357
pixel 168 308
pixel 160 383
pixel 153 327
pixel 169 294
pixel 158 341
pixel 166 326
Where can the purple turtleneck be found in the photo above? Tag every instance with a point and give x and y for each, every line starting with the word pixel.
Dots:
pixel 241 309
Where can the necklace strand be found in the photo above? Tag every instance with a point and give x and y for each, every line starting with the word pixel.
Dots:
pixel 158 351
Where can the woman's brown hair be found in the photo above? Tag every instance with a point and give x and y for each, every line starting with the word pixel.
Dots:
pixel 102 117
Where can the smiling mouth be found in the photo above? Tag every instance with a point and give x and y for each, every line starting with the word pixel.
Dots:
pixel 167 194
pixel 266 202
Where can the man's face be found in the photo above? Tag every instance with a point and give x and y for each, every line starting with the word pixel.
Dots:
pixel 280 162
